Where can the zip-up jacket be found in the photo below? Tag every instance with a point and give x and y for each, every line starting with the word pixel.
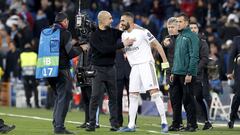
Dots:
pixel 186 53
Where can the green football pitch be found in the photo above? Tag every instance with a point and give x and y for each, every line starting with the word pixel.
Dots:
pixel 38 122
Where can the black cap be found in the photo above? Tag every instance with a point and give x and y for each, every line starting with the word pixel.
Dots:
pixel 60 17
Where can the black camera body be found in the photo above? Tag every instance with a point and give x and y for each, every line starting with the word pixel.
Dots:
pixel 84 76
pixel 85 27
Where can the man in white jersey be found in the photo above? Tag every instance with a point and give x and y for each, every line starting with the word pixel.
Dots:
pixel 143 74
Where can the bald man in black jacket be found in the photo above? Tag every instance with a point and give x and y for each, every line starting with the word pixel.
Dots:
pixel 104 45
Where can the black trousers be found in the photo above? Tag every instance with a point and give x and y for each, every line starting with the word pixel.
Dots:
pixel 50 98
pixel 186 94
pixel 62 85
pixel 198 94
pixel 121 83
pixel 206 92
pixel 86 92
pixel 176 102
pixel 30 86
pixel 105 75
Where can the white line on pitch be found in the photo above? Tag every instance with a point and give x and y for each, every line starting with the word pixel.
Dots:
pixel 73 122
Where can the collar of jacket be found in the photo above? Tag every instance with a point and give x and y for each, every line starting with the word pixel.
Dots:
pixel 186 30
pixel 57 26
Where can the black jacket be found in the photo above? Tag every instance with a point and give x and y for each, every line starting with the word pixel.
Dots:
pixel 104 45
pixel 203 57
pixel 170 54
pixel 232 66
pixel 122 66
pixel 170 50
pixel 67 50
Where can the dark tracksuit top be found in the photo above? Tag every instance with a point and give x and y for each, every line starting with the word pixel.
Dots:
pixel 233 66
pixel 203 57
pixel 67 50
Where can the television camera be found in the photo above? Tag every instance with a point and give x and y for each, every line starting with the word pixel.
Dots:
pixel 84 28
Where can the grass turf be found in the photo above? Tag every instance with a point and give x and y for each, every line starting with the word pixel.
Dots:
pixel 36 126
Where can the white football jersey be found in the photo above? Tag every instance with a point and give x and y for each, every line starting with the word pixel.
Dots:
pixel 140 51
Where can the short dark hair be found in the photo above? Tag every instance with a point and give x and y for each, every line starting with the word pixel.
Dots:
pixel 60 17
pixel 194 23
pixel 186 18
pixel 129 14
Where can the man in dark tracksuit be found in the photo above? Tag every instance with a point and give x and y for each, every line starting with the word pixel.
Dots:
pixel 123 71
pixel 176 102
pixel 186 57
pixel 62 84
pixel 103 43
pixel 86 88
pixel 234 66
pixel 198 86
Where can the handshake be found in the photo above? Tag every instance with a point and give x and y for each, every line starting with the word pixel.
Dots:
pixel 165 65
pixel 83 45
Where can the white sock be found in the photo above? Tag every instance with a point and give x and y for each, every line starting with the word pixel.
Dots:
pixel 160 106
pixel 133 106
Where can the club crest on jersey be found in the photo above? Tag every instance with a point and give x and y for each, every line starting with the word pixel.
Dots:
pixel 150 36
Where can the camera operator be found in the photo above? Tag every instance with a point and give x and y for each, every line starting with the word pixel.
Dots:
pixel 103 43
pixel 62 83
pixel 85 83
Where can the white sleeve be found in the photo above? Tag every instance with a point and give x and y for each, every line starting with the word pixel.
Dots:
pixel 123 37
pixel 148 36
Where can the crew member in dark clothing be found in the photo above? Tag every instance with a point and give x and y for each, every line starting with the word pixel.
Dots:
pixel 62 84
pixel 86 89
pixel 123 71
pixel 198 86
pixel 184 70
pixel 5 128
pixel 176 101
pixel 12 68
pixel 104 44
pixel 234 67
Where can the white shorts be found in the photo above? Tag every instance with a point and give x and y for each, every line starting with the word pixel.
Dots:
pixel 143 77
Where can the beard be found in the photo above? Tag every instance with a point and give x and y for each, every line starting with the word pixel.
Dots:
pixel 126 27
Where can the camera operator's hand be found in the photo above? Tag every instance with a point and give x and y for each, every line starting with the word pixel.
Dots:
pixel 230 76
pixel 74 41
pixel 128 42
pixel 84 47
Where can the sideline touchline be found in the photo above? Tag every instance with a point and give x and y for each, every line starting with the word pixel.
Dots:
pixel 72 122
